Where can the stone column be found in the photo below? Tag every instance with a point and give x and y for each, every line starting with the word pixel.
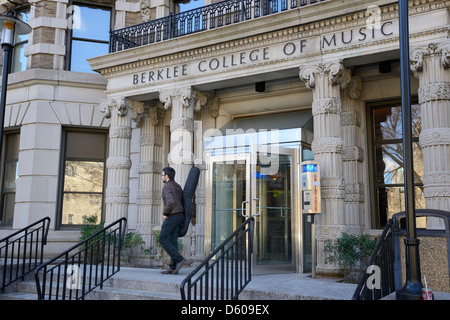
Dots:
pixel 183 102
pixel 431 65
pixel 325 79
pixel 353 155
pixel 118 162
pixel 150 167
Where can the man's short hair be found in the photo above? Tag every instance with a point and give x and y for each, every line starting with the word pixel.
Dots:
pixel 170 172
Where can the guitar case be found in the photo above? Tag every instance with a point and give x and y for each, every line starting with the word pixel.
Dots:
pixel 188 199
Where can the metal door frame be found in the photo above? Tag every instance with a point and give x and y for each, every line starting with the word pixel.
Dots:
pixel 251 205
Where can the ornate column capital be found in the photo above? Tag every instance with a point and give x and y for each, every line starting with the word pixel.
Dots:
pixel 166 96
pixel 334 71
pixel 417 54
pixel 136 108
pixel 354 87
pixel 188 98
pixel 117 105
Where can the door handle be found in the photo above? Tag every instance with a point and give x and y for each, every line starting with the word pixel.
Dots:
pixel 259 207
pixel 243 208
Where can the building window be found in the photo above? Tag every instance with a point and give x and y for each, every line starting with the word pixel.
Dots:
pixel 9 178
pixel 83 176
pixel 186 5
pixel 19 61
pixel 387 160
pixel 89 35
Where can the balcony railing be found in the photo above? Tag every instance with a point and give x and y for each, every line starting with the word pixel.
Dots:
pixel 209 17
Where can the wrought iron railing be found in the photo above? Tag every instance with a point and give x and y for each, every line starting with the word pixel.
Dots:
pixel 225 273
pixel 383 257
pixel 205 18
pixel 83 267
pixel 387 255
pixel 22 251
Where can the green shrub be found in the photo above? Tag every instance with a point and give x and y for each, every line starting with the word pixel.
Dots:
pixel 351 253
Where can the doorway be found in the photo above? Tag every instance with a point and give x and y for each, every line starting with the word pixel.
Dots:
pixel 255 172
pixel 261 185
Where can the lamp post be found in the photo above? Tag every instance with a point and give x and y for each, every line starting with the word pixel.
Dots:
pixel 10 26
pixel 412 290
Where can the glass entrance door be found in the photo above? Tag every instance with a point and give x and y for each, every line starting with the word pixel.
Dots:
pixel 257 184
pixel 272 189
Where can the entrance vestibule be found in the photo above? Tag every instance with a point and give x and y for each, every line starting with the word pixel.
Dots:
pixel 252 170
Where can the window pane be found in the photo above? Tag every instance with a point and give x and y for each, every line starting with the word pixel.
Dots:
pixel 24 16
pixel 84 168
pixel 186 5
pixel 12 144
pixel 388 122
pixel 391 200
pixel 82 50
pixel 10 178
pixel 91 23
pixel 76 205
pixel 11 175
pixel 86 145
pixel 83 176
pixel 389 163
pixel 8 209
pixel 19 62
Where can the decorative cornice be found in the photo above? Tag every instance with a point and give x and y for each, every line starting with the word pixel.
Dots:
pixel 334 24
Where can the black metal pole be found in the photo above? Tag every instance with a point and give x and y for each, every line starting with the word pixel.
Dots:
pixel 412 290
pixel 7 48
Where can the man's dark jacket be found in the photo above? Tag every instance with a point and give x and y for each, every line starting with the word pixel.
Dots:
pixel 172 195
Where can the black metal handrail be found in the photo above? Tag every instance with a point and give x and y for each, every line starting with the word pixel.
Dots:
pixel 383 257
pixel 205 18
pixel 22 251
pixel 83 267
pixel 225 273
pixel 386 255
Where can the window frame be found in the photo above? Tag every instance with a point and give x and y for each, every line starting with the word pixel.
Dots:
pixel 5 161
pixel 69 35
pixel 376 218
pixel 64 137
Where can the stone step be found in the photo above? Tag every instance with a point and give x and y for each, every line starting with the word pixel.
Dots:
pixel 113 293
pixel 141 285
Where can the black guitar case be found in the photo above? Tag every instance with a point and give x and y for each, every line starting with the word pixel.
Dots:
pixel 188 199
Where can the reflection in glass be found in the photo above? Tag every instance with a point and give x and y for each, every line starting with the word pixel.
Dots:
pixel 228 192
pixel 388 122
pixel 83 185
pixel 388 160
pixel 19 61
pixel 84 167
pixel 90 35
pixel 273 226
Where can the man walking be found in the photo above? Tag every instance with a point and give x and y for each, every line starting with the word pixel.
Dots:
pixel 173 216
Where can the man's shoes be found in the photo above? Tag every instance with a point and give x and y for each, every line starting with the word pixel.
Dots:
pixel 179 265
pixel 168 271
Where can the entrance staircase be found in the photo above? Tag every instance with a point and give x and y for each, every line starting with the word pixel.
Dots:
pixel 150 284
pixel 129 284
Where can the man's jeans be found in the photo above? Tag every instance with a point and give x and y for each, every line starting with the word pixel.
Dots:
pixel 169 238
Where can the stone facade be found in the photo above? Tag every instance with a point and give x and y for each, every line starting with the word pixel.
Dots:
pixel 152 99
